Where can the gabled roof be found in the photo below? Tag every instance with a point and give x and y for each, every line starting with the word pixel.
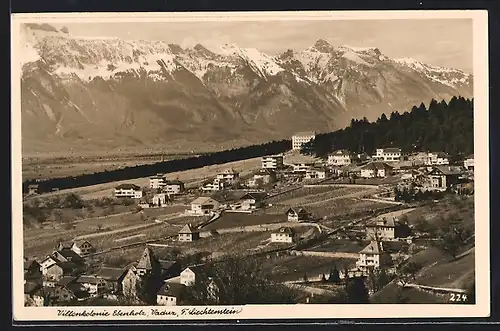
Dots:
pixel 174 182
pixel 31 288
pixel 65 280
pixel 167 264
pixel 392 150
pixel 87 279
pixel 254 195
pixel 447 170
pixel 187 229
pixel 285 229
pixel 341 152
pixel 171 289
pixel 148 260
pixel 28 264
pixel 372 248
pixel 113 274
pixel 385 221
pixel 204 201
pixel 69 255
pixel 194 268
pixel 376 165
pixel 128 187
pixel 297 210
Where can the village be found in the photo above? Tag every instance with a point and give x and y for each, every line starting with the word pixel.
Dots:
pixel 311 223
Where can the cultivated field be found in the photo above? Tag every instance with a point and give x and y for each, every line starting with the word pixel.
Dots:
pixel 236 220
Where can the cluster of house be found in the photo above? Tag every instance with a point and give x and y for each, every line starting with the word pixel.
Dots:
pixel 45 284
pixel 226 179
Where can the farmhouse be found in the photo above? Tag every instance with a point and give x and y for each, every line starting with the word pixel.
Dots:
pixel 58 270
pixel 302 138
pixel 282 235
pixel 33 295
pixel 372 257
pixel 376 169
pixel 67 255
pixel 390 154
pixel 128 191
pixel 439 158
pixel 297 214
pixel 157 181
pixel 169 294
pixel 203 206
pixel 188 234
pixel 93 285
pixel 341 157
pixel 273 162
pixel 442 177
pixel 46 263
pixel 252 201
pixel 469 162
pixel 160 199
pixel 113 278
pixel 188 275
pixel 383 229
pixel 129 282
pixel 173 187
pixel 67 289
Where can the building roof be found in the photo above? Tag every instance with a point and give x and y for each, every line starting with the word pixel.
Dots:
pixel 113 274
pixel 343 152
pixel 304 133
pixel 148 260
pixel 31 288
pixel 447 170
pixel 203 201
pixel 392 150
pixel 167 264
pixel 296 210
pixel 376 165
pixel 69 255
pixel 194 268
pixel 174 182
pixel 265 172
pixel 372 248
pixel 29 263
pixel 87 279
pixel 254 195
pixel 385 221
pixel 187 229
pixel 157 176
pixel 285 229
pixel 171 289
pixel 65 280
pixel 65 265
pixel 128 187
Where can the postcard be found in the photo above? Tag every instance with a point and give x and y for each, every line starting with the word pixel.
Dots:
pixel 250 165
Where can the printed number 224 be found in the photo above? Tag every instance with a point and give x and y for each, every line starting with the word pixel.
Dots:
pixel 455 297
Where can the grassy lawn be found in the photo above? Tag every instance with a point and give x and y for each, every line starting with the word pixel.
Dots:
pixel 235 220
pixel 390 293
pixel 340 245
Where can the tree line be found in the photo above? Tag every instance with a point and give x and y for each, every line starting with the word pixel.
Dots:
pixel 139 171
pixel 441 126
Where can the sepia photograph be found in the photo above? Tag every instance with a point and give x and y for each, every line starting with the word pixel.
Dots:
pixel 250 165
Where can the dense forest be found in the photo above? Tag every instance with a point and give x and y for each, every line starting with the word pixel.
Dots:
pixel 446 127
pixel 442 126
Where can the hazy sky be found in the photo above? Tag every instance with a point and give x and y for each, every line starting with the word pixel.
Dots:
pixel 442 42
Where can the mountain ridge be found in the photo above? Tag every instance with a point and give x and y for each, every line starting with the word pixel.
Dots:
pixel 107 92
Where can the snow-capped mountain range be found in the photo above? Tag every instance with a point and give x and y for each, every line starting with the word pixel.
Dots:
pixel 108 92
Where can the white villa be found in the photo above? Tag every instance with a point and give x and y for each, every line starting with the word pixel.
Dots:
pixel 216 185
pixel 128 191
pixel 301 167
pixel 340 158
pixel 469 162
pixel 203 206
pixel 282 235
pixel 169 294
pixel 229 175
pixel 382 229
pixel 157 181
pixel 439 158
pixel 188 233
pixel 173 187
pixel 302 138
pixel 160 199
pixel 376 169
pixel 316 174
pixel 370 257
pixel 188 275
pixel 272 162
pixel 390 154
